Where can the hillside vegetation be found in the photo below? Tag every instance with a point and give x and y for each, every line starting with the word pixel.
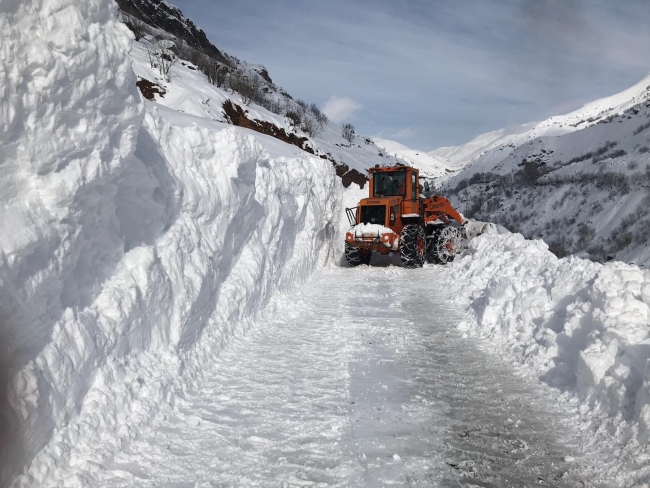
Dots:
pixel 579 182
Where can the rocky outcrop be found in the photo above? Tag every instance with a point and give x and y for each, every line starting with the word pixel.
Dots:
pixel 169 18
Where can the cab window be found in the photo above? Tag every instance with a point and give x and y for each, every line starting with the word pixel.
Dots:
pixel 390 184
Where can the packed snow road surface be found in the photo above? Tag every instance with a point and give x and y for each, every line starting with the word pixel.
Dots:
pixel 359 380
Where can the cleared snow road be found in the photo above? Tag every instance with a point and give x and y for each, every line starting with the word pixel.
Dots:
pixel 359 380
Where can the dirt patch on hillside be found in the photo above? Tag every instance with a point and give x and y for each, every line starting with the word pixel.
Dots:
pixel 150 89
pixel 238 116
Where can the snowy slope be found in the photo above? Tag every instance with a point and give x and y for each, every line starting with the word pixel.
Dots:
pixel 583 190
pixel 429 166
pixel 590 114
pixel 187 89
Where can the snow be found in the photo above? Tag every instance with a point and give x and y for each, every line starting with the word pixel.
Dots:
pixel 155 301
pixel 188 91
pixel 137 239
pixel 371 229
pixel 363 389
pixel 590 114
pixel 581 326
pixel 237 225
pixel 589 196
pixel 69 121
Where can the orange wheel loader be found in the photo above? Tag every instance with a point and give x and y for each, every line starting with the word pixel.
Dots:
pixel 397 218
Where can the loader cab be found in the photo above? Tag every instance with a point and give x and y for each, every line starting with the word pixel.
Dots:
pixel 396 181
pixel 393 200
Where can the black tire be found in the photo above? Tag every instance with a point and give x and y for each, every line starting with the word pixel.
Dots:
pixel 448 244
pixel 356 257
pixel 412 246
pixel 432 248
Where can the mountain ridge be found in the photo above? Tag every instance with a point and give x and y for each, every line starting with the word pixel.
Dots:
pixel 578 181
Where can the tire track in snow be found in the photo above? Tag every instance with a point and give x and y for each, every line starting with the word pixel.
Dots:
pixel 359 380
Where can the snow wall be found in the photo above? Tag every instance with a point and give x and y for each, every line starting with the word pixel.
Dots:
pixel 583 326
pixel 131 246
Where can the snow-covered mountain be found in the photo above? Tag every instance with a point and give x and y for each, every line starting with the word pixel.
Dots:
pixel 590 114
pixel 206 78
pixel 579 181
pixel 429 165
pixel 150 217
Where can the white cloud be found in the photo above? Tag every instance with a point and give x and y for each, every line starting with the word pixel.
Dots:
pixel 341 109
pixel 406 133
pixel 398 135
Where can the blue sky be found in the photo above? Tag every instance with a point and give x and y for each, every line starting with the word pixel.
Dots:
pixel 431 73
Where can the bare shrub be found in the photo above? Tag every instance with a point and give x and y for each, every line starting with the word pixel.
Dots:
pixel 320 117
pixel 585 235
pixel 216 73
pixel 643 231
pixel 530 174
pixel 248 87
pixel 560 246
pixel 310 126
pixel 476 178
pixel 294 117
pixel 597 252
pixel 641 128
pixel 475 206
pixel 190 54
pixel 617 181
pixel 348 132
pixel 273 105
pixel 601 153
pixel 644 149
pixel 619 241
pixel 161 57
pixel 139 28
pixel 461 185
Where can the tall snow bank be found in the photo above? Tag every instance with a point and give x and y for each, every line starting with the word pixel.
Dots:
pixel 583 326
pixel 215 225
pixel 134 242
pixel 69 115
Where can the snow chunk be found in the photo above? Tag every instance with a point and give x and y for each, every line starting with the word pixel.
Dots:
pixel 371 229
pixel 580 325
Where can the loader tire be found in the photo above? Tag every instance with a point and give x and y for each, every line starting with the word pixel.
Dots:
pixel 356 257
pixel 432 248
pixel 448 244
pixel 412 246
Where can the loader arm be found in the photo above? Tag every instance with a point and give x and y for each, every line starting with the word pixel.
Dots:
pixel 439 208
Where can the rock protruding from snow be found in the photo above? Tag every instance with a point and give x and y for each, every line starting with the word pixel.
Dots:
pixel 169 18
